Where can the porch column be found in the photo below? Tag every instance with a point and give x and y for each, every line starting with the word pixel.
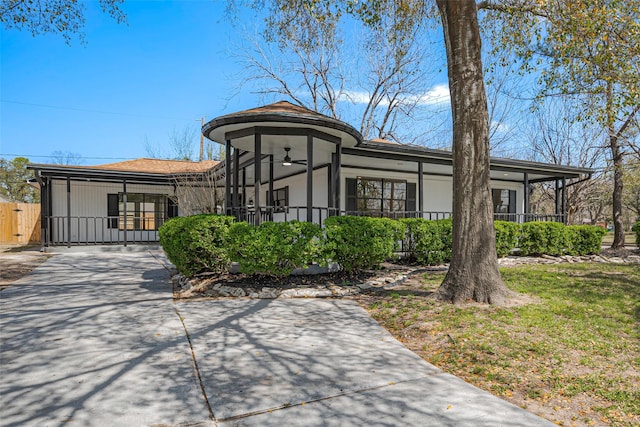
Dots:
pixel 244 187
pixel 270 195
pixel 527 206
pixel 557 197
pixel 43 209
pixel 236 179
pixel 257 174
pixel 564 200
pixel 124 203
pixel 68 211
pixel 309 178
pixel 227 177
pixel 336 177
pixel 420 188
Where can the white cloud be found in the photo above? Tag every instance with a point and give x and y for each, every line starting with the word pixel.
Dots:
pixel 437 95
pixel 501 127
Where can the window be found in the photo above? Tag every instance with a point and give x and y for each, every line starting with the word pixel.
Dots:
pixel 382 196
pixel 143 211
pixel 280 197
pixel 504 203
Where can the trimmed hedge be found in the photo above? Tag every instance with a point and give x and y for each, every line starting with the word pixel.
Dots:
pixel 427 242
pixel 507 234
pixel 636 228
pixel 359 242
pixel 584 239
pixel 542 238
pixel 195 244
pixel 275 248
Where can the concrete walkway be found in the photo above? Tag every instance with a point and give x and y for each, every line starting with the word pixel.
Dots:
pixel 95 339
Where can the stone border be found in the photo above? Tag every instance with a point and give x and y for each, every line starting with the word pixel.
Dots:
pixel 187 288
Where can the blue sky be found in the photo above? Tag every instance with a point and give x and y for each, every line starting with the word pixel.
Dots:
pixel 135 84
pixel 164 70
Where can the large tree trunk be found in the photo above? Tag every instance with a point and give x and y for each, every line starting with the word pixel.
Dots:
pixel 618 226
pixel 473 272
pixel 616 156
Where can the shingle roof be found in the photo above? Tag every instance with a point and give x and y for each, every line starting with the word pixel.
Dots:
pixel 158 166
pixel 279 107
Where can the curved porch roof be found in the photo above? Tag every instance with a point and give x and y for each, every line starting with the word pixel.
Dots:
pixel 282 125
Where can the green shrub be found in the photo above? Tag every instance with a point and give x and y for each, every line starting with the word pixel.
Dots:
pixel 275 248
pixel 542 238
pixel 506 237
pixel 584 239
pixel 428 242
pixel 198 243
pixel 359 243
pixel 636 228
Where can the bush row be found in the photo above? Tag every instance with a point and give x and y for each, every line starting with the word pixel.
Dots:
pixel 211 242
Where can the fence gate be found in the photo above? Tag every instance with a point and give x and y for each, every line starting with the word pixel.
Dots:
pixel 19 223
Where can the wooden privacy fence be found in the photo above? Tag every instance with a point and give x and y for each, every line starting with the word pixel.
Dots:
pixel 19 223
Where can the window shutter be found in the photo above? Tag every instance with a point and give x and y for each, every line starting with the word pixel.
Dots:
pixel 512 201
pixel 112 210
pixel 352 189
pixel 411 197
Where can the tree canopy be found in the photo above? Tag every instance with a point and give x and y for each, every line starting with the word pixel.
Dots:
pixel 13 181
pixel 64 17
pixel 585 49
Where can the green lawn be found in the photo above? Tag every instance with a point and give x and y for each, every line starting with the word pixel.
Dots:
pixel 570 352
pixel 629 239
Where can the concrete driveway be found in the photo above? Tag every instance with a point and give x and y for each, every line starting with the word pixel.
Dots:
pixel 95 340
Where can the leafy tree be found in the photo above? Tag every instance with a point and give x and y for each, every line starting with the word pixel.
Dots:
pixel 64 17
pixel 13 181
pixel 586 49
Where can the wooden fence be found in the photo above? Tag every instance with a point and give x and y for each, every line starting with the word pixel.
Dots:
pixel 19 223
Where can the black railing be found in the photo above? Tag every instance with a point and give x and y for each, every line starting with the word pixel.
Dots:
pixel 80 230
pixel 319 214
pixel 77 230
pixel 284 213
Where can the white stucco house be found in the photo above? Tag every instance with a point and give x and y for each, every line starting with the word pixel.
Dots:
pixel 281 162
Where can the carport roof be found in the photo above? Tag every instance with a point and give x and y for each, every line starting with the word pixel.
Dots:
pixel 143 169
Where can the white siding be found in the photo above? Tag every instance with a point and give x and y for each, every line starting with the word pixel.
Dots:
pixel 89 211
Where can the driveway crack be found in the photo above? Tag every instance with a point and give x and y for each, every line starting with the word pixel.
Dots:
pixel 195 364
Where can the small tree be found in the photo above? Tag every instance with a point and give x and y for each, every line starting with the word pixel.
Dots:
pixel 13 181
pixel 198 193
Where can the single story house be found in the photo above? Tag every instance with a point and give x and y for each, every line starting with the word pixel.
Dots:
pixel 284 161
pixel 281 162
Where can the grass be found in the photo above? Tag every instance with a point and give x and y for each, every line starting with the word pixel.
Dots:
pixel 571 354
pixel 629 238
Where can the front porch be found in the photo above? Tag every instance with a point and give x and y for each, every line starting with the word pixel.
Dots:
pixel 284 162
